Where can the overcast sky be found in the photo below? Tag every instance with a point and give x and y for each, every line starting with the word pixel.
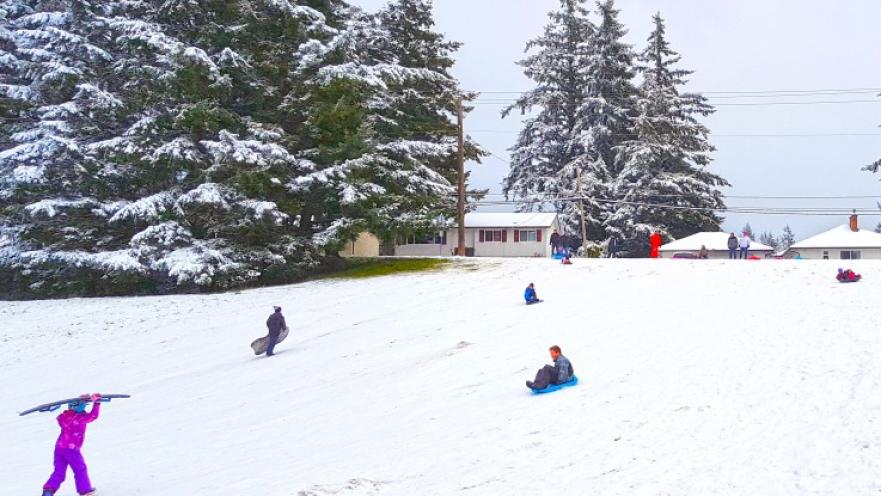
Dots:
pixel 736 46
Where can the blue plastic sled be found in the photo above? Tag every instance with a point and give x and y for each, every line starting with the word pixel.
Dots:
pixel 557 387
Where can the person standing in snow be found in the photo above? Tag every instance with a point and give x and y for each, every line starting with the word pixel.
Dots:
pixel 559 373
pixel 613 247
pixel 655 241
pixel 733 243
pixel 67 449
pixel 555 242
pixel 745 243
pixel 275 323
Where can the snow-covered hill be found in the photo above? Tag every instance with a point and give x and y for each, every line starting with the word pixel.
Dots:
pixel 696 378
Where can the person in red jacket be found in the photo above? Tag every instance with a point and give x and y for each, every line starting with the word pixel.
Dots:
pixel 655 241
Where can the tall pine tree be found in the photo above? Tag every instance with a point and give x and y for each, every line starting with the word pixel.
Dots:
pixel 665 161
pixel 605 119
pixel 558 63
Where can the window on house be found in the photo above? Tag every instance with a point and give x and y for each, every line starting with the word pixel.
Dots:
pixel 527 236
pixel 851 255
pixel 493 236
pixel 438 238
pixel 825 255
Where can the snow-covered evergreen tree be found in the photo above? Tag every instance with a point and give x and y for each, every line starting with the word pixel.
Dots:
pixel 558 63
pixel 605 120
pixel 203 144
pixel 392 72
pixel 664 184
pixel 770 240
pixel 58 95
pixel 787 239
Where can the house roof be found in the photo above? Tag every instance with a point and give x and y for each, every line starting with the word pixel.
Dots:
pixel 510 219
pixel 714 241
pixel 842 237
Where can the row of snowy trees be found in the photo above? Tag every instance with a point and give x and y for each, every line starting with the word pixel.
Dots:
pixel 781 242
pixel 621 121
pixel 214 143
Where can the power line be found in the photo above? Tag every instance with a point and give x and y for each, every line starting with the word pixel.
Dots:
pixel 764 197
pixel 747 93
pixel 743 104
pixel 736 210
pixel 720 135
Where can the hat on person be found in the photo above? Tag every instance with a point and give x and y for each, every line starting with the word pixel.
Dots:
pixel 277 309
pixel 79 406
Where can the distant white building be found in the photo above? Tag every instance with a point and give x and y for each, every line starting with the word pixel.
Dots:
pixel 716 243
pixel 490 235
pixel 847 242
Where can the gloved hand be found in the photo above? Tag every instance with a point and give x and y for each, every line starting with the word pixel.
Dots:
pixel 95 397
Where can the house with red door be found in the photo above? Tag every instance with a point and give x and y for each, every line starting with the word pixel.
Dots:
pixel 489 235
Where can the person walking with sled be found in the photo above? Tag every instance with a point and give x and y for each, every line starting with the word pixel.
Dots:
pixel 559 373
pixel 733 243
pixel 275 323
pixel 67 449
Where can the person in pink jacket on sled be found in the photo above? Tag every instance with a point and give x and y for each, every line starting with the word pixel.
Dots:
pixel 67 450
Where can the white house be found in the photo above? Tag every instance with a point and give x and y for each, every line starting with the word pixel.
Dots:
pixel 847 242
pixel 490 235
pixel 716 243
pixel 366 245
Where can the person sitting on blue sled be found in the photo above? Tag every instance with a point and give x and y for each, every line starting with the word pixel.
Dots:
pixel 561 372
pixel 530 296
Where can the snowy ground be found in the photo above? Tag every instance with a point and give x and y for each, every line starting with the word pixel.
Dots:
pixel 698 378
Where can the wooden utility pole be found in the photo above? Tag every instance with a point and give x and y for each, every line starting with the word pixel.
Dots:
pixel 460 217
pixel 581 205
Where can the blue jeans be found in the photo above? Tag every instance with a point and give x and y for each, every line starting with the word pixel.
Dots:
pixel 744 253
pixel 732 253
pixel 273 340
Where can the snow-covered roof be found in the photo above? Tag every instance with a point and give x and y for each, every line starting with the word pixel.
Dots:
pixel 510 219
pixel 842 237
pixel 714 241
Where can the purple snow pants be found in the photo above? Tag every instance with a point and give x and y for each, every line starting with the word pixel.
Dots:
pixel 74 459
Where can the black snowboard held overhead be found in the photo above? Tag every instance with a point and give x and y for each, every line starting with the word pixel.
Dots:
pixel 55 405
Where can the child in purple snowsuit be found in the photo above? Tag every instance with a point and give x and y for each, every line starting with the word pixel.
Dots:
pixel 67 450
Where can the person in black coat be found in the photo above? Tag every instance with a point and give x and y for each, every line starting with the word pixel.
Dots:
pixel 555 242
pixel 275 323
pixel 733 244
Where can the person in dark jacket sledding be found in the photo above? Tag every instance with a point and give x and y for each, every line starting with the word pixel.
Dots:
pixel 559 373
pixel 275 323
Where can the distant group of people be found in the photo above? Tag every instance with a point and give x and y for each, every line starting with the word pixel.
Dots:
pixel 739 245
pixel 561 244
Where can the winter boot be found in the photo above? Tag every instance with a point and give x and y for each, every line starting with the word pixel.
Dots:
pixel 47 492
pixel 530 385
